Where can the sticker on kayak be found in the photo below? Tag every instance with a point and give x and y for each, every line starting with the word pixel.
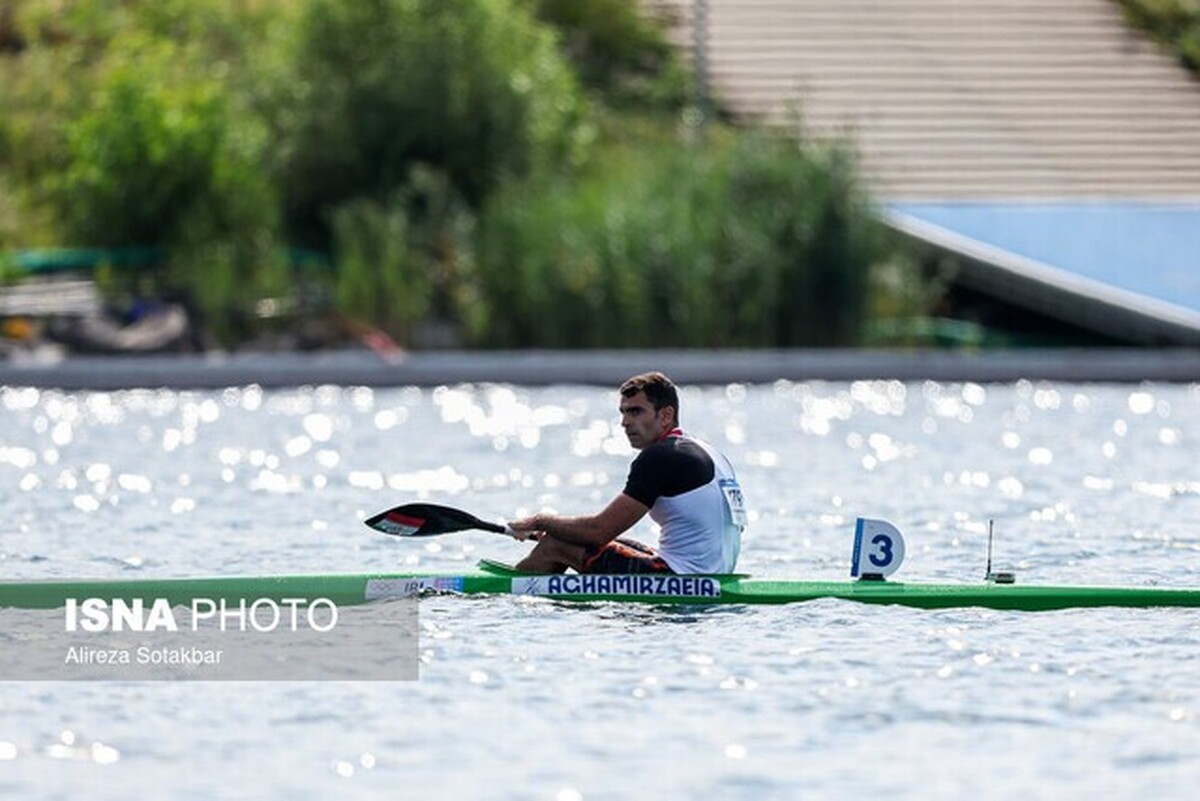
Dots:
pixel 878 548
pixel 400 525
pixel 378 589
pixel 619 585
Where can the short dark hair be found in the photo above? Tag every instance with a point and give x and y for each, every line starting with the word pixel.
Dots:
pixel 658 388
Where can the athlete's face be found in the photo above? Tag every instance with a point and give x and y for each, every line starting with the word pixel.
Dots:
pixel 643 425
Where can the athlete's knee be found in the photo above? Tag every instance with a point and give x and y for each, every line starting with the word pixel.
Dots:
pixel 560 551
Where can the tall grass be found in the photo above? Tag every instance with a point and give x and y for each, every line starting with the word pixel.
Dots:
pixel 744 239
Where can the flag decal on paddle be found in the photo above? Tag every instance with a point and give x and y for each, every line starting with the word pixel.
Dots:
pixel 428 519
pixel 878 549
pixel 401 525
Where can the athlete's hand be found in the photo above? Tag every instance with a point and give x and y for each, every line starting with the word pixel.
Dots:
pixel 522 536
pixel 527 528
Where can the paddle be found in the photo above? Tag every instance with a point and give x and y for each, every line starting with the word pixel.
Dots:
pixel 428 519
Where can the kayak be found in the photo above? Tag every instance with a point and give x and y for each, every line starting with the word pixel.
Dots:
pixel 492 578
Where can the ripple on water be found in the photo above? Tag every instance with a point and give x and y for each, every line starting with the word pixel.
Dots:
pixel 524 698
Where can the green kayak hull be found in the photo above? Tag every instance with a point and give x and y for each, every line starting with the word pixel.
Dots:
pixel 493 579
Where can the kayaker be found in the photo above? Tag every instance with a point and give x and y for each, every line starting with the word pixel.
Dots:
pixel 687 486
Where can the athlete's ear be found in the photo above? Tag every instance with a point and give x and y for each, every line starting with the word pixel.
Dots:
pixel 671 418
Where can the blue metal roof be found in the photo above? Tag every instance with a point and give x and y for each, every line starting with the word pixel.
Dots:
pixel 1139 255
pixel 1149 248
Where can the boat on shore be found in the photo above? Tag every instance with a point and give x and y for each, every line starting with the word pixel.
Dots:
pixel 491 578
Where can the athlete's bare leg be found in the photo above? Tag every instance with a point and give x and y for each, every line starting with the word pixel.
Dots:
pixel 552 555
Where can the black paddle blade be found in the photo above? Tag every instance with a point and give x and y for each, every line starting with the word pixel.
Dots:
pixel 426 520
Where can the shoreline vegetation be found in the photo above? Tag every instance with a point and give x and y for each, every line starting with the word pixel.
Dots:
pixel 501 173
pixel 436 173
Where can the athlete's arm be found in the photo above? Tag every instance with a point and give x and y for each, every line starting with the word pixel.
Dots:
pixel 591 530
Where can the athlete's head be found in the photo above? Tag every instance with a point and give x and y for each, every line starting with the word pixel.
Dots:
pixel 649 408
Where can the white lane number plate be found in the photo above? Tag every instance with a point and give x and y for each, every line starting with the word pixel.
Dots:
pixel 878 548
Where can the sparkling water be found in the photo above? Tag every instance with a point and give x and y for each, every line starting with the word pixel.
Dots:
pixel 533 699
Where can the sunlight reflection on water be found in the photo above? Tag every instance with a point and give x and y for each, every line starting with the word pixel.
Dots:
pixel 524 698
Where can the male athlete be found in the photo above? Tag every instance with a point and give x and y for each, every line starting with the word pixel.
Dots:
pixel 686 485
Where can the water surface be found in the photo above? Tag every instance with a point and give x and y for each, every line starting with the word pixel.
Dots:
pixel 528 698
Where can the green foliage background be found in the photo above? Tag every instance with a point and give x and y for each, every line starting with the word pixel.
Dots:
pixel 737 241
pixel 530 172
pixel 1174 23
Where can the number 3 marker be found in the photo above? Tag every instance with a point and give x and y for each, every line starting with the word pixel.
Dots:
pixel 878 548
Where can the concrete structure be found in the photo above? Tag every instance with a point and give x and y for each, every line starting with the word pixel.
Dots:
pixel 997 103
pixel 604 368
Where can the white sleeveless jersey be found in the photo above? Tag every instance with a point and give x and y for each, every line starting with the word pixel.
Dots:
pixel 701 527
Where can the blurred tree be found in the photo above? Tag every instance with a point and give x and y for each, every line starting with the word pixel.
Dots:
pixel 1174 23
pixel 131 124
pixel 619 51
pixel 474 88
